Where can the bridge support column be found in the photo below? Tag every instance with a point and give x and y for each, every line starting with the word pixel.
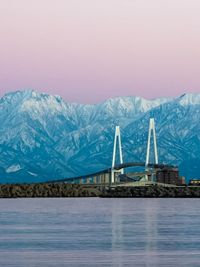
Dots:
pixel 117 137
pixel 104 180
pixel 94 180
pixel 98 179
pixel 107 178
pixel 151 129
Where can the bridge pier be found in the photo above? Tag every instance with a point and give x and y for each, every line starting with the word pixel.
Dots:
pixel 88 180
pixel 107 178
pixel 81 181
pixel 94 180
pixel 101 179
pixel 115 176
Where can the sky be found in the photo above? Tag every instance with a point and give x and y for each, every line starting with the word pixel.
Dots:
pixel 91 50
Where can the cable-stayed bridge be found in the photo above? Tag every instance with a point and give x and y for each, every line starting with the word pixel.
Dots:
pixel 116 174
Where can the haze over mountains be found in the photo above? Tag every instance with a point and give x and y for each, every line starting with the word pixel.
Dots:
pixel 42 137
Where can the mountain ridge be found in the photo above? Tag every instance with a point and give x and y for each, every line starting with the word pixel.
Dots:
pixel 43 137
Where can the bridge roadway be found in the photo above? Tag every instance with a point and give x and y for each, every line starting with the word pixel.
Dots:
pixel 103 177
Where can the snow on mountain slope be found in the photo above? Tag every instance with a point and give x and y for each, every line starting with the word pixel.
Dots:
pixel 189 99
pixel 51 139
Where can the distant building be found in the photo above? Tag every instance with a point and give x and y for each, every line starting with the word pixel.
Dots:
pixel 194 182
pixel 169 176
pixel 182 180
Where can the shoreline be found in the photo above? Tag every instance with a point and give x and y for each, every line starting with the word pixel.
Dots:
pixel 63 190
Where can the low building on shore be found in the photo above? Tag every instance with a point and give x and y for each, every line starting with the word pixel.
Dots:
pixel 169 176
pixel 194 182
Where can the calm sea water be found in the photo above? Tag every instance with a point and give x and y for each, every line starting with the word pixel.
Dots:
pixel 99 232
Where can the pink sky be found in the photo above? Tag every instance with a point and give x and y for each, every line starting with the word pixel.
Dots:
pixel 89 50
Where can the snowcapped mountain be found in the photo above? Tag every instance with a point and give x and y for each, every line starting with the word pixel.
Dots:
pixel 42 137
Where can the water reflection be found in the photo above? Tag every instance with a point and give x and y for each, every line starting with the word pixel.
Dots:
pixel 133 232
pixel 99 232
pixel 151 231
pixel 117 233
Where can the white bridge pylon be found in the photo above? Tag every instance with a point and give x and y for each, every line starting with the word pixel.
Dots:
pixel 151 129
pixel 117 137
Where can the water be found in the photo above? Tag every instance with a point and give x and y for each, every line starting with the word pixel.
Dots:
pixel 99 232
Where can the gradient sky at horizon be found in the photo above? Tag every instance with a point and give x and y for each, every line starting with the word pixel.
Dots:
pixel 87 51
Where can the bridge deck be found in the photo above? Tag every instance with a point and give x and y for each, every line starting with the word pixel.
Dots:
pixel 107 172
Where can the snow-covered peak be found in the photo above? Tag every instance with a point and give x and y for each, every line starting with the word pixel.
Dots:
pixel 43 106
pixel 35 103
pixel 189 99
pixel 14 97
pixel 42 102
pixel 131 105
